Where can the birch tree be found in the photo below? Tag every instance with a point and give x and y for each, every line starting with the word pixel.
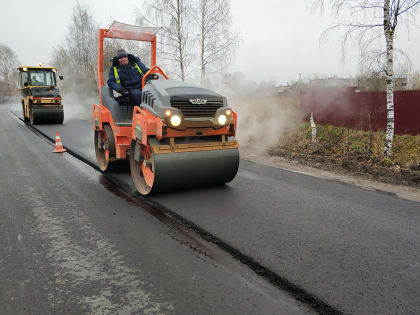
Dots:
pixel 367 22
pixel 215 36
pixel 175 40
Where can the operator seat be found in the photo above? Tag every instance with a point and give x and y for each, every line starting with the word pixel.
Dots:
pixel 121 114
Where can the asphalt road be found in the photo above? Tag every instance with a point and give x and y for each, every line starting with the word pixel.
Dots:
pixel 356 250
pixel 71 242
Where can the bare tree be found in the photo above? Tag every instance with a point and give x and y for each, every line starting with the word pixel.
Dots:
pixel 215 36
pixel 414 81
pixel 367 21
pixel 175 44
pixel 8 64
pixel 78 56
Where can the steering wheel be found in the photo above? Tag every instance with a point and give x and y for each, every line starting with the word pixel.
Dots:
pixel 154 70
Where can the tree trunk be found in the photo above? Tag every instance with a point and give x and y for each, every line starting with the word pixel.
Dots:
pixel 180 39
pixel 203 29
pixel 389 36
pixel 313 127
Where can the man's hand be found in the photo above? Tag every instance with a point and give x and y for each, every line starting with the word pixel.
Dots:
pixel 123 91
pixel 152 76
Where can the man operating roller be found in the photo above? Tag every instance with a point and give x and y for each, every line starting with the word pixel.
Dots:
pixel 126 74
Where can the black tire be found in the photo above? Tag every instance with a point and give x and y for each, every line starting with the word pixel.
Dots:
pixel 23 111
pixel 111 140
pixel 31 117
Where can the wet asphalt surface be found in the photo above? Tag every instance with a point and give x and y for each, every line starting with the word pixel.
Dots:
pixel 355 250
pixel 71 242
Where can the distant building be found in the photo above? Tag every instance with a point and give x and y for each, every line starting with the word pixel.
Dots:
pixel 359 84
pixel 288 89
pixel 333 82
pixel 282 89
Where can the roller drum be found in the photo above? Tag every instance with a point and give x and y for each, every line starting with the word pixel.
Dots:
pixel 174 171
pixel 195 169
pixel 47 115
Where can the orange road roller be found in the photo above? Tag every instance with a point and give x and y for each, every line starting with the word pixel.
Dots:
pixel 180 136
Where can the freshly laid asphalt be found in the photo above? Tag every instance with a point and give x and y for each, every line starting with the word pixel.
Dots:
pixel 71 242
pixel 356 250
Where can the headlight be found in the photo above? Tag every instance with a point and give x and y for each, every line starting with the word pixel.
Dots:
pixel 168 112
pixel 221 119
pixel 228 112
pixel 175 120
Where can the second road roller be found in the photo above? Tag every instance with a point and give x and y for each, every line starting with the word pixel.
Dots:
pixel 41 99
pixel 181 135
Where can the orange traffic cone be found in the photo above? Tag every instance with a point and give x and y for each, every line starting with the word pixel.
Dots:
pixel 58 144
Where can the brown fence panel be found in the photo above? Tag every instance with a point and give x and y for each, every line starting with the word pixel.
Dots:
pixel 362 110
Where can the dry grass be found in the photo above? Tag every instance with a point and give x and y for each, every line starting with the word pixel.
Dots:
pixel 343 143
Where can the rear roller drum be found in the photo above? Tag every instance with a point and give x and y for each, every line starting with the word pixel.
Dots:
pixel 40 115
pixel 104 147
pixel 142 167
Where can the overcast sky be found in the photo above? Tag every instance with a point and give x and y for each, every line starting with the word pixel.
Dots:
pixel 280 39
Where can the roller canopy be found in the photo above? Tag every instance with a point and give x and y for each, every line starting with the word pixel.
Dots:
pixel 131 32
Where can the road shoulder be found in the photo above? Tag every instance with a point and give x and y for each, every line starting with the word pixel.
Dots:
pixel 404 192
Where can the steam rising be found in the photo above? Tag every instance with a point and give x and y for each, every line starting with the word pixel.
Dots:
pixel 78 107
pixel 78 97
pixel 264 114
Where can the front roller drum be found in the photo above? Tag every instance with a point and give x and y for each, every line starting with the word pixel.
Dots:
pixel 46 115
pixel 173 171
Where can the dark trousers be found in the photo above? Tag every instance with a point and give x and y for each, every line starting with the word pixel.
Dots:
pixel 135 96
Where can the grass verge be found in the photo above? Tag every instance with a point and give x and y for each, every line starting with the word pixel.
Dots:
pixel 356 151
